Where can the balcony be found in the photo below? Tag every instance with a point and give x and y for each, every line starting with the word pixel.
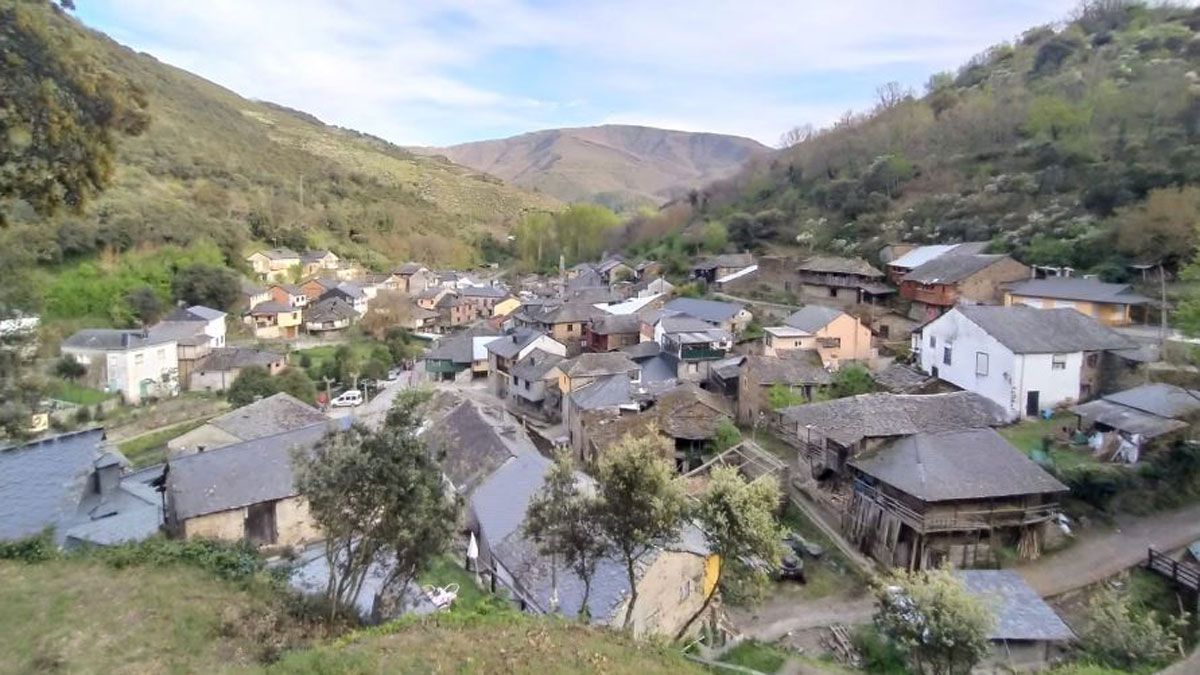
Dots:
pixel 700 354
pixel 967 519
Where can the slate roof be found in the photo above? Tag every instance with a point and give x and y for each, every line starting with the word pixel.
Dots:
pixel 849 420
pixel 1028 330
pixel 408 269
pixel 1164 400
pixel 290 289
pixel 812 318
pixel 508 346
pixel 923 254
pixel 794 367
pixel 471 443
pixel 1073 288
pixel 238 475
pixel 1020 613
pixel 835 265
pixel 642 350
pixel 231 358
pixel 901 379
pixel 612 391
pixel 279 253
pixel 597 364
pixel 1129 420
pixel 458 348
pixel 270 416
pixel 271 307
pixel 195 313
pixel 706 310
pixel 725 260
pixel 614 324
pixel 536 365
pixel 628 306
pixel 41 482
pixel 329 308
pixel 956 465
pixel 684 323
pixel 183 332
pixel 314 255
pixel 349 289
pixel 484 292
pixel 113 339
pixel 951 269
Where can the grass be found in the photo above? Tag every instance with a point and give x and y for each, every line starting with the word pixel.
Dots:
pixel 151 448
pixel 445 571
pixel 73 392
pixel 87 617
pixel 761 656
pixel 320 355
pixel 1027 437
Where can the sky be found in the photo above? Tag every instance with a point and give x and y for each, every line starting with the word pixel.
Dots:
pixel 440 72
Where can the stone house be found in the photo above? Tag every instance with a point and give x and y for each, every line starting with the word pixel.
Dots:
pixel 413 278
pixel 271 416
pixel 329 315
pixel 611 332
pixel 535 385
pixel 317 261
pixel 799 371
pixel 719 266
pixel 271 320
pixel 729 316
pixel 950 280
pixel 908 260
pixel 315 287
pixel 685 415
pixel 483 299
pixel 289 295
pixel 218 369
pixel 472 441
pixel 1144 418
pixel 840 281
pixel 691 345
pixel 243 492
pixel 505 351
pixel 1027 635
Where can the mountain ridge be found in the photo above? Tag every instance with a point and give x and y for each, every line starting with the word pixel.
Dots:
pixel 619 165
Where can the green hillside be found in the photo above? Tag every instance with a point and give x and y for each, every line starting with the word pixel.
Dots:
pixel 84 616
pixel 1065 146
pixel 214 166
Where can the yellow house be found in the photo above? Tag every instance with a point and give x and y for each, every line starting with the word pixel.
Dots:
pixel 506 307
pixel 245 491
pixel 837 336
pixel 1110 304
pixel 272 320
pixel 274 264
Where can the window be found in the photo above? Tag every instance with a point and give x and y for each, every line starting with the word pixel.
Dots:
pixel 570 328
pixel 932 341
pixel 526 385
pixel 981 363
pixel 1093 360
pixel 832 292
pixel 946 354
pixel 1058 362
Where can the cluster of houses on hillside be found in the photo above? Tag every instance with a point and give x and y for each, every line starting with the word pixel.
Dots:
pixel 958 342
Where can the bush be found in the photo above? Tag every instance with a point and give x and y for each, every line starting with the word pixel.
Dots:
pixel 1096 484
pixel 37 548
pixel 1119 636
pixel 234 562
pixel 69 368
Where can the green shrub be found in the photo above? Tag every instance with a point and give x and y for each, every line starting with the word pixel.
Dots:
pixel 879 655
pixel 235 562
pixel 37 548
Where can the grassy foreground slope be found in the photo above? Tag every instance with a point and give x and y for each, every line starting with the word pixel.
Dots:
pixel 81 616
pixel 216 165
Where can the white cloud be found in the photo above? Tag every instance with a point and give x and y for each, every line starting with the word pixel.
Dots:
pixel 414 71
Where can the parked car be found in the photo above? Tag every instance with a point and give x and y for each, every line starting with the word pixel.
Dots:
pixel 347 399
pixel 803 547
pixel 791 568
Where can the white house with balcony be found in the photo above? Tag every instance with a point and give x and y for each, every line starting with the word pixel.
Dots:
pixel 136 363
pixel 1026 360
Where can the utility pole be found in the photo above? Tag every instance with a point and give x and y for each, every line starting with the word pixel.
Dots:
pixel 1162 311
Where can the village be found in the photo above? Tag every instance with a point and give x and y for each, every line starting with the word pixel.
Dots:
pixel 932 410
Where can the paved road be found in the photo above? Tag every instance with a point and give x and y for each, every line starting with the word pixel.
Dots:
pixel 373 412
pixel 1097 556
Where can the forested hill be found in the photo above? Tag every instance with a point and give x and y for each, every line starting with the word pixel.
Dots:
pixel 1066 146
pixel 215 166
pixel 617 165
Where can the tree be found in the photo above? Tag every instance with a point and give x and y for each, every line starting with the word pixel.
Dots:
pixel 727 436
pixel 641 506
pixel 21 388
pixel 296 382
pixel 251 384
pixel 781 396
pixel 146 305
pixel 851 380
pixel 1118 636
pixel 930 615
pixel 59 112
pixel 389 309
pixel 208 285
pixel 738 520
pixel 560 520
pixel 378 498
pixel 69 368
pixel 714 237
pixel 1162 227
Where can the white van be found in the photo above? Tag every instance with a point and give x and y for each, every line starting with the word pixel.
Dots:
pixel 347 399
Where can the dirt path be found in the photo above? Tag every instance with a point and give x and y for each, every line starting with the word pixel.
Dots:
pixel 773 620
pixel 1098 556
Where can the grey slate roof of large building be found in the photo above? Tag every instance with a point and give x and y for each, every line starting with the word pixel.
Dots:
pixel 112 339
pixel 330 308
pixel 1074 288
pixel 232 358
pixel 794 367
pixel 471 444
pixel 849 420
pixel 594 364
pixel 957 465
pixel 613 324
pixel 460 347
pixel 835 265
pixel 1028 330
pixel 950 269
pixel 508 346
pixel 812 318
pixel 1020 613
pixel 238 475
pixel 195 313
pixel 706 310
pixel 272 415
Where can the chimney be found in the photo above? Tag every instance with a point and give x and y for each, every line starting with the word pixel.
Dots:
pixel 108 475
